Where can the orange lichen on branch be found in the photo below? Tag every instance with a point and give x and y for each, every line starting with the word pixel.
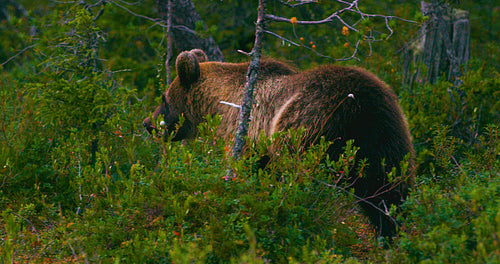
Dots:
pixel 345 31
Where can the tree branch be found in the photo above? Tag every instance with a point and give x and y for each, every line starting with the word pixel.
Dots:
pixel 156 20
pixel 359 199
pixel 301 3
pixel 17 54
pixel 337 16
pixel 282 38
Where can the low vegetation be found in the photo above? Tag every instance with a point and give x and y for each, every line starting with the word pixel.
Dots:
pixel 82 181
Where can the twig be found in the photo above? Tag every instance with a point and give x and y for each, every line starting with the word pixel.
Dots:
pixel 282 38
pixel 127 3
pixel 123 70
pixel 249 54
pixel 301 3
pixel 17 54
pixel 350 6
pixel 358 198
pixel 90 6
pixel 156 20
pixel 29 222
pixel 231 104
pixel 72 250
pixel 182 27
pixel 64 2
pixel 458 165
pixel 316 22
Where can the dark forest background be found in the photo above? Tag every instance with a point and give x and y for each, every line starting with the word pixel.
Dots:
pixel 81 181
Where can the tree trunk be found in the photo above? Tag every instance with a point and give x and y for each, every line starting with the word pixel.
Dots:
pixel 18 8
pixel 168 71
pixel 443 47
pixel 184 19
pixel 251 79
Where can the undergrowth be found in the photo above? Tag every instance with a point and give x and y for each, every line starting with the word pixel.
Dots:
pixel 82 181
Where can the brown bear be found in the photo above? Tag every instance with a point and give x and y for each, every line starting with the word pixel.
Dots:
pixel 335 102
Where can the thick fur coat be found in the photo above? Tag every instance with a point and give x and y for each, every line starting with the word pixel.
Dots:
pixel 336 102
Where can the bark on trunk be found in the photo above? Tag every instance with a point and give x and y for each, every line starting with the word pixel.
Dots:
pixel 168 71
pixel 184 18
pixel 443 47
pixel 18 8
pixel 251 79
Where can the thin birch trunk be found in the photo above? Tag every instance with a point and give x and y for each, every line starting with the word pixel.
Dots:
pixel 168 77
pixel 251 78
pixel 183 20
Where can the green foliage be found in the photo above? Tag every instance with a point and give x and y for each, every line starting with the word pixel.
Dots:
pixel 81 180
pixel 452 214
pixel 454 220
pixel 185 207
pixel 440 110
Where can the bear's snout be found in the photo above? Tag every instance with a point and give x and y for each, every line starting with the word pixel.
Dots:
pixel 147 124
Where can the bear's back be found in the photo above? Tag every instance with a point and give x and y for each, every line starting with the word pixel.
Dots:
pixel 342 103
pixel 222 81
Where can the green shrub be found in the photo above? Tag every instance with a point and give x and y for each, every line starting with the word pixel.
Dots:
pixel 186 204
pixel 82 181
pixel 452 216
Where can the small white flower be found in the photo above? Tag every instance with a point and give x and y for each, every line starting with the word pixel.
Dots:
pixel 162 123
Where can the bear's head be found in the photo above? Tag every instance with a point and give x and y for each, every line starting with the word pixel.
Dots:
pixel 174 99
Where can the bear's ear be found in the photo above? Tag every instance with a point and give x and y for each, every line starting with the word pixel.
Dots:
pixel 200 55
pixel 188 68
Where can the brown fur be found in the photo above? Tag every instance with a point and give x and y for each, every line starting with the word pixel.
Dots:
pixel 318 100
